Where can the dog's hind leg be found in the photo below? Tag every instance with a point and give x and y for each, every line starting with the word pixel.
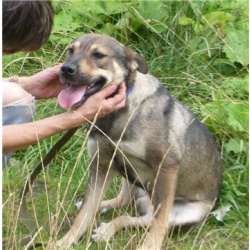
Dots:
pixel 97 186
pixel 183 213
pixel 124 198
pixel 189 212
pixel 127 193
pixel 107 230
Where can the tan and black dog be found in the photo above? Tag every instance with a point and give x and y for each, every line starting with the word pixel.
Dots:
pixel 169 160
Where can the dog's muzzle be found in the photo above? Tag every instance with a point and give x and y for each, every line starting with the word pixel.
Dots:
pixel 80 86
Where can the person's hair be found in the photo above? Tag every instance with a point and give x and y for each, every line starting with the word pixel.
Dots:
pixel 26 24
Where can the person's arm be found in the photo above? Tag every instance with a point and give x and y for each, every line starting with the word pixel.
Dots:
pixel 20 136
pixel 16 137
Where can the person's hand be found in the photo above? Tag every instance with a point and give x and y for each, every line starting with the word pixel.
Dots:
pixel 101 104
pixel 43 85
pixel 19 136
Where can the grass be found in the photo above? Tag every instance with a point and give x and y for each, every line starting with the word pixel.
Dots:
pixel 201 82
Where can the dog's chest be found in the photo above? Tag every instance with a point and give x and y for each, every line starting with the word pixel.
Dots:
pixel 132 151
pixel 130 158
pixel 133 155
pixel 131 162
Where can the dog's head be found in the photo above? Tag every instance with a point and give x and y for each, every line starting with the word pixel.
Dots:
pixel 92 62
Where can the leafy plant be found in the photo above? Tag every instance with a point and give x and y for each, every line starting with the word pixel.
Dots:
pixel 199 50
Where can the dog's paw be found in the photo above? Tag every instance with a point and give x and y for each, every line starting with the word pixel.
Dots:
pixel 66 242
pixel 57 246
pixel 148 244
pixel 144 248
pixel 103 211
pixel 104 232
pixel 78 205
pixel 147 248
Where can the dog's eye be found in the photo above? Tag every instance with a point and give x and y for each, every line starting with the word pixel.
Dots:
pixel 70 51
pixel 98 55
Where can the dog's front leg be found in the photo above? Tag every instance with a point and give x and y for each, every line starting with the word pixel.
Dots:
pixel 97 186
pixel 163 194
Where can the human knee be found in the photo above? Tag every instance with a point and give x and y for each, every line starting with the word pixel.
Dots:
pixel 13 93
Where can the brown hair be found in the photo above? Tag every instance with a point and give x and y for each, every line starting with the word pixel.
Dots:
pixel 26 24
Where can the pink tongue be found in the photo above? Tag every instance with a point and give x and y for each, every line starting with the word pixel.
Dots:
pixel 71 95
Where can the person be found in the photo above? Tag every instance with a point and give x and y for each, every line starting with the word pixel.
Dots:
pixel 26 27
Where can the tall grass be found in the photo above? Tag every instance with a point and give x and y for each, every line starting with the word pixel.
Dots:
pixel 190 59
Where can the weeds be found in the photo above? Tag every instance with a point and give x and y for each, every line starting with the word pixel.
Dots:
pixel 199 49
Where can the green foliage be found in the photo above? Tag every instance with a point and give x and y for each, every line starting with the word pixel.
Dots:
pixel 230 107
pixel 236 145
pixel 199 50
pixel 236 46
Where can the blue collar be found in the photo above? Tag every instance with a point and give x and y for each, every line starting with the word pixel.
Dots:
pixel 129 90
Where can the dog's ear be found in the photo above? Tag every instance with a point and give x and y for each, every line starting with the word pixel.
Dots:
pixel 136 61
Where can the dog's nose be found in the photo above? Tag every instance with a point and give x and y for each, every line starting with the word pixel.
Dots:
pixel 69 69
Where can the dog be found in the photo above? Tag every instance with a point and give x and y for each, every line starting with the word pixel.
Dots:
pixel 169 160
